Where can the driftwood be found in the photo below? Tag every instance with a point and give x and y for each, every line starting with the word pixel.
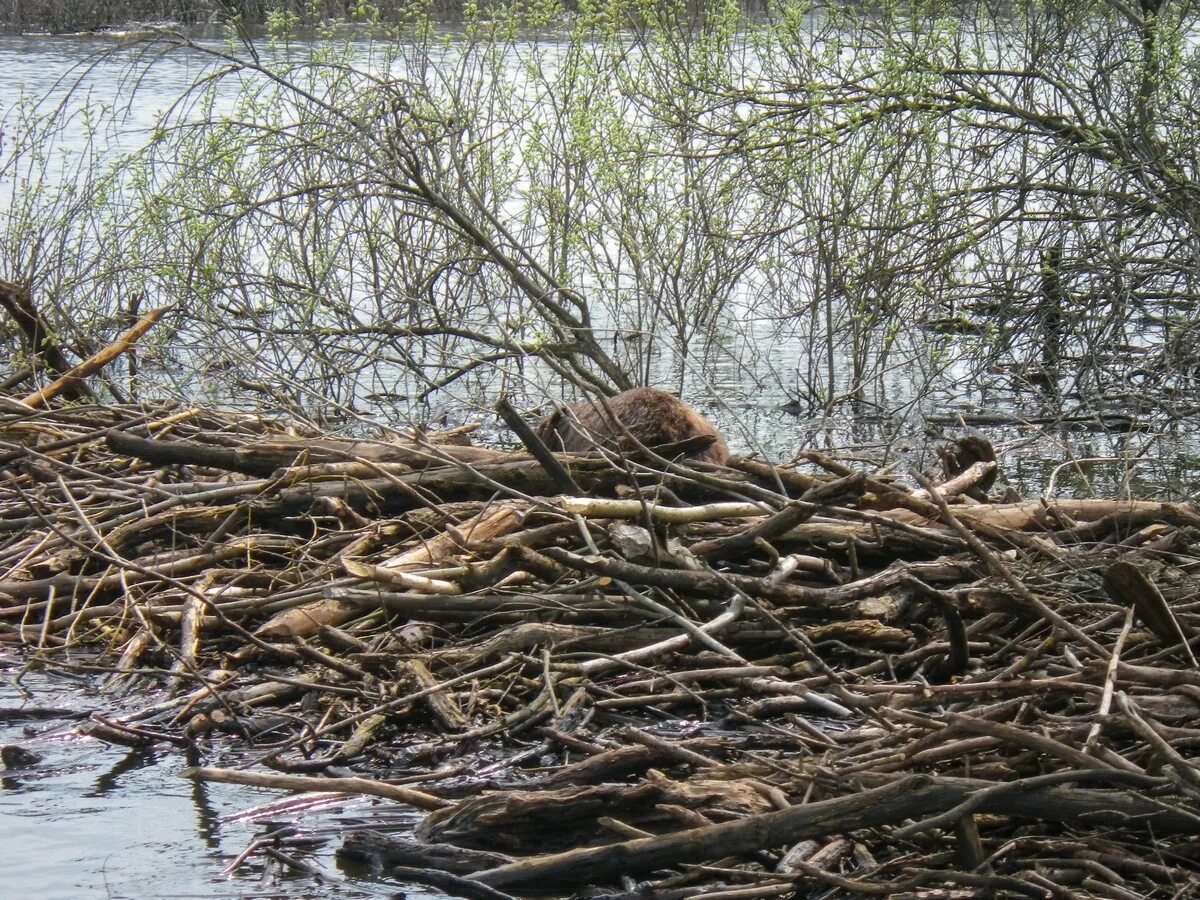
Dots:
pixel 1036 515
pixel 345 785
pixel 369 846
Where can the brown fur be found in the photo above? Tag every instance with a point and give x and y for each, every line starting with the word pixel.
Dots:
pixel 964 453
pixel 652 416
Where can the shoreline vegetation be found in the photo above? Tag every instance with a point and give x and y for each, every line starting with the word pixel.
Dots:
pixel 857 215
pixel 68 17
pixel 198 16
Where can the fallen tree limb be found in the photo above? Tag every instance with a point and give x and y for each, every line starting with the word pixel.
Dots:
pixel 43 350
pixel 910 797
pixel 73 378
pixel 366 786
pixel 263 458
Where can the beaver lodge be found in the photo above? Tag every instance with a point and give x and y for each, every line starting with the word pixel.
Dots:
pixel 617 675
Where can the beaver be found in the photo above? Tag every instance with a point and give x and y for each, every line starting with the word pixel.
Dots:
pixel 652 416
pixel 969 449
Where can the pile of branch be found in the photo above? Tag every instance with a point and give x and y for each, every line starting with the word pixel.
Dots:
pixel 692 681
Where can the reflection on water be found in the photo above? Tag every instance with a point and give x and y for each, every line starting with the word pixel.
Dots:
pixel 94 820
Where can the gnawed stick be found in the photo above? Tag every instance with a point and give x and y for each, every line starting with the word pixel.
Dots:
pixel 365 786
pixel 603 508
pixel 442 704
pixel 783 521
pixel 74 377
pixel 536 446
pixel 410 582
pixel 962 482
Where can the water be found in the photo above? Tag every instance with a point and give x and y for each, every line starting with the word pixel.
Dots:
pixel 740 376
pixel 94 820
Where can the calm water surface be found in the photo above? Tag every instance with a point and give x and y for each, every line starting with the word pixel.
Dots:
pixel 94 820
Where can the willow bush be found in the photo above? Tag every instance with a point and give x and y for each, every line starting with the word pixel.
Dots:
pixel 854 203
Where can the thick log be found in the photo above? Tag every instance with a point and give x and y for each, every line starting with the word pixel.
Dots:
pixel 916 796
pixel 388 851
pixel 1033 514
pixel 38 337
pixel 566 817
pixel 263 458
pixel 449 483
pixel 465 480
